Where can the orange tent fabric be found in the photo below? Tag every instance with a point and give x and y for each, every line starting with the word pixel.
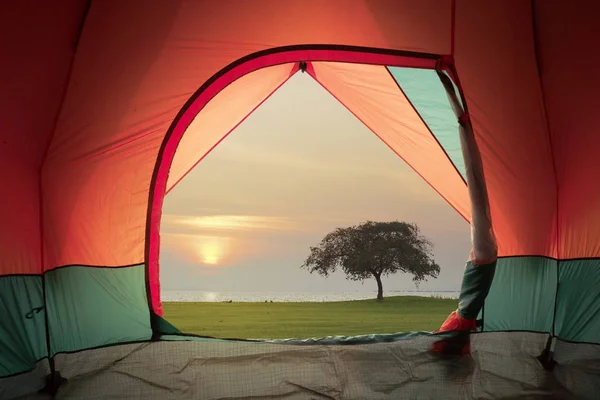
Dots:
pixel 373 96
pixel 505 104
pixel 223 114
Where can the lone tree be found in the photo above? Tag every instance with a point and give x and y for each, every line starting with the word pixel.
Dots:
pixel 374 249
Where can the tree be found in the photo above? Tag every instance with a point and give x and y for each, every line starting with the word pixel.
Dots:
pixel 374 249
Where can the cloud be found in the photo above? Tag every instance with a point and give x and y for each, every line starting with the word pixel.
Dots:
pixel 228 222
pixel 241 225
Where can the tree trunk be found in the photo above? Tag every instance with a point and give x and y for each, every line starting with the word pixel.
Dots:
pixel 379 287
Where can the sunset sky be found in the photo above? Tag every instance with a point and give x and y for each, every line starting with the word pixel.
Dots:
pixel 298 167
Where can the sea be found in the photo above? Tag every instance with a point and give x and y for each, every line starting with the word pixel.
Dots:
pixel 289 297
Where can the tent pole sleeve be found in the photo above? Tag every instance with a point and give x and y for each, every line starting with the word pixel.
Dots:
pixel 480 270
pixel 484 246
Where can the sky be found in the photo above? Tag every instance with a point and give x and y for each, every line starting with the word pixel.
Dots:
pixel 300 166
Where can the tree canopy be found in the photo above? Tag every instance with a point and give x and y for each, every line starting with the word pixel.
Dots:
pixel 374 249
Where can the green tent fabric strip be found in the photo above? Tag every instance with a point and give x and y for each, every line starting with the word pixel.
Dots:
pixel 522 295
pixel 164 327
pixel 424 90
pixel 22 326
pixel 361 339
pixel 578 301
pixel 328 340
pixel 96 307
pixel 91 307
pixel 87 308
pixel 538 294
pixel 476 283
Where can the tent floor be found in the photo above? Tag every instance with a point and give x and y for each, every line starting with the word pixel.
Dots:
pixel 501 366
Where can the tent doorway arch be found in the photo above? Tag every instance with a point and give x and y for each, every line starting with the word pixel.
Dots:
pixel 301 57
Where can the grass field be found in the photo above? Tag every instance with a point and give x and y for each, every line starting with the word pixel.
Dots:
pixel 304 320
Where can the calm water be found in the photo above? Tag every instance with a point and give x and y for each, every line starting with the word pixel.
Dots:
pixel 171 295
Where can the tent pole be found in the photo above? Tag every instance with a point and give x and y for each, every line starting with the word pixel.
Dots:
pixel 54 379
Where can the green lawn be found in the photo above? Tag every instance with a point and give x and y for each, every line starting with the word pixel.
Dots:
pixel 304 320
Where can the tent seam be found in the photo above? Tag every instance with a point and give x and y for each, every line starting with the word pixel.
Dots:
pixel 551 145
pixel 452 27
pixel 65 90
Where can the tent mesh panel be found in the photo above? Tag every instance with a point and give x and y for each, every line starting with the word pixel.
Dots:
pixel 501 366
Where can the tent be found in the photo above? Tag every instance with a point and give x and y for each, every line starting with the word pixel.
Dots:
pixel 107 104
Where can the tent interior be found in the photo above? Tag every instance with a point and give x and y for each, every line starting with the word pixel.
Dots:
pixel 110 104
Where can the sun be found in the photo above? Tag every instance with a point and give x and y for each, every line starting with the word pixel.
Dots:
pixel 211 251
pixel 212 260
